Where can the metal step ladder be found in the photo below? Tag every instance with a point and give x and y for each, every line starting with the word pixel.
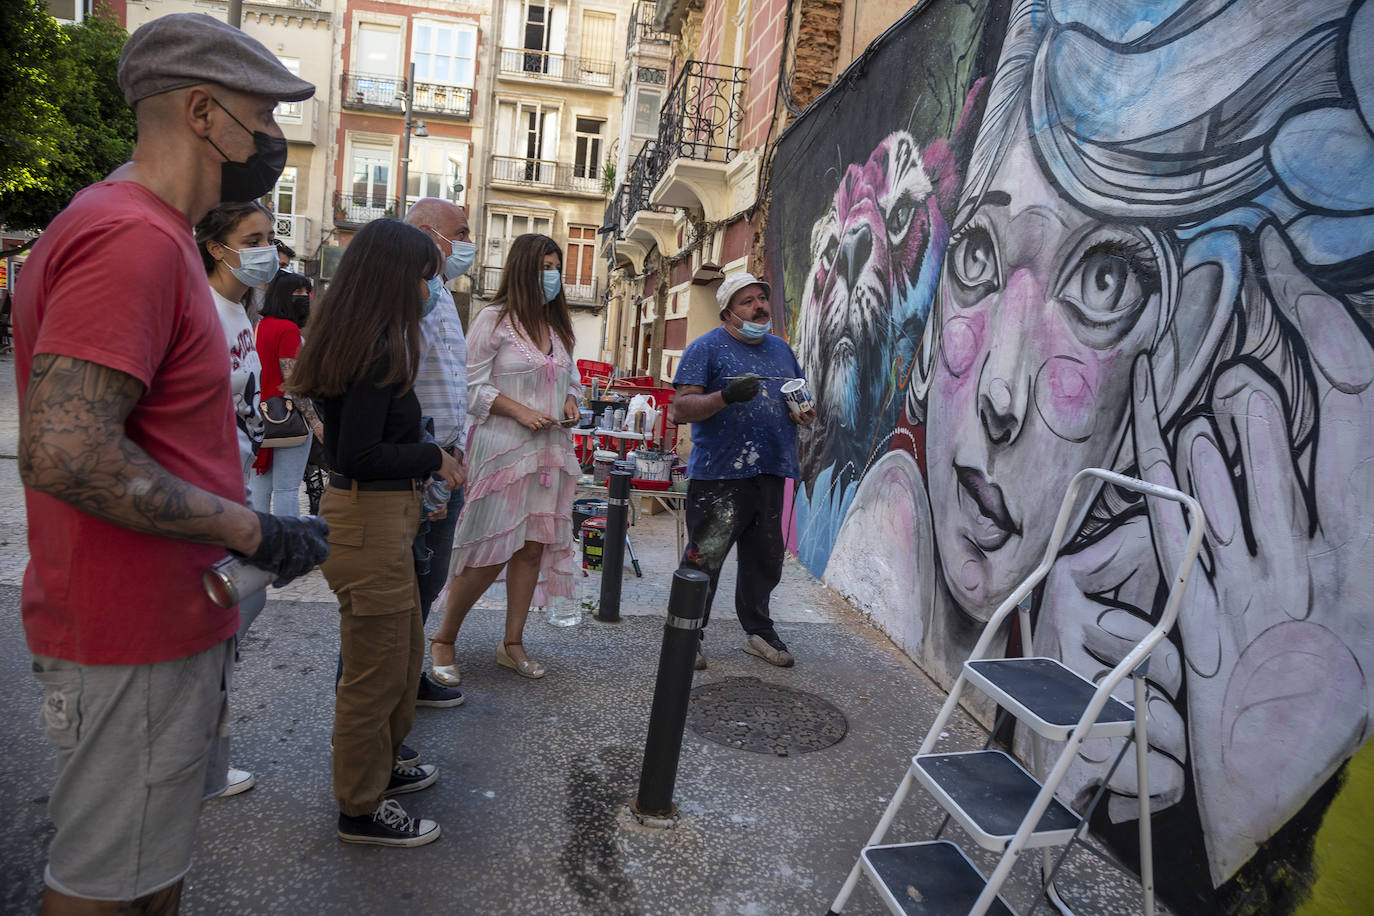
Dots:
pixel 996 801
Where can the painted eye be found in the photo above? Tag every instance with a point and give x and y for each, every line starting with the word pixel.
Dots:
pixel 832 248
pixel 1104 279
pixel 899 220
pixel 1107 289
pixel 973 262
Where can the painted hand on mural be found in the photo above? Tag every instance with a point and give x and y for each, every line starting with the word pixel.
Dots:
pixel 1262 652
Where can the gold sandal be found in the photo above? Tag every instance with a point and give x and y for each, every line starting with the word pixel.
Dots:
pixel 526 668
pixel 447 675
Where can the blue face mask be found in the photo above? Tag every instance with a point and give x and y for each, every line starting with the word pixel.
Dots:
pixel 435 285
pixel 457 264
pixel 754 330
pixel 553 282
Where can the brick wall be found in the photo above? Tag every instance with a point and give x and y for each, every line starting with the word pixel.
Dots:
pixel 763 57
pixel 817 49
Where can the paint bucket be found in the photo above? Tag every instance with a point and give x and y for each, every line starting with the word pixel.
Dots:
pixel 797 396
pixel 626 465
pixel 593 540
pixel 651 465
pixel 583 509
pixel 602 462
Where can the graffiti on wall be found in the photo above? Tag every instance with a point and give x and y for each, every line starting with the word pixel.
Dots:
pixel 1160 260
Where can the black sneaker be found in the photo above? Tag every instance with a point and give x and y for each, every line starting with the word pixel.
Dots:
pixel 769 648
pixel 411 779
pixel 437 695
pixel 408 757
pixel 389 825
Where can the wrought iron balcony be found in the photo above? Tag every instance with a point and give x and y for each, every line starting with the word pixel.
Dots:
pixel 438 99
pixel 582 293
pixel 486 281
pixel 633 194
pixel 371 92
pixel 547 174
pixel 354 210
pixel 642 31
pixel 580 71
pixel 703 116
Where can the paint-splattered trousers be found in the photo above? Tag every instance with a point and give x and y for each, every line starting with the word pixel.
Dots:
pixel 745 514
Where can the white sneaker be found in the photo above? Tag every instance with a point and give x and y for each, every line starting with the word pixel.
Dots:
pixel 240 781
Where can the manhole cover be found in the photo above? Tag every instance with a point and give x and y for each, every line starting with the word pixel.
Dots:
pixel 746 713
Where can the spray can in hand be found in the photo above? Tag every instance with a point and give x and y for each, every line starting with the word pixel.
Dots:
pixel 233 579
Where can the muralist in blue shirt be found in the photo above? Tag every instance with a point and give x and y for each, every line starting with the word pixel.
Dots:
pixel 752 437
pixel 744 447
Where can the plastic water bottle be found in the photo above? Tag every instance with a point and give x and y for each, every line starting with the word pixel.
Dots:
pixel 589 591
pixel 563 611
pixel 436 494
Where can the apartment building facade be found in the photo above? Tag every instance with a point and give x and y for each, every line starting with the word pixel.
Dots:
pixel 554 119
pixel 302 35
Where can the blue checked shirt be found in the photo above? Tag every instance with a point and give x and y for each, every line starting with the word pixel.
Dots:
pixel 441 383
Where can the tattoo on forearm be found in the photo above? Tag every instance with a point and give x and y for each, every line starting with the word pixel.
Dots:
pixel 73 446
pixel 288 365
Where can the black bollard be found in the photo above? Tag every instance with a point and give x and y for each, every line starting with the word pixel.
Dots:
pixel 613 547
pixel 668 716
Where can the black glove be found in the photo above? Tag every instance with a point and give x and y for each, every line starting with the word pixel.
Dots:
pixel 290 547
pixel 744 388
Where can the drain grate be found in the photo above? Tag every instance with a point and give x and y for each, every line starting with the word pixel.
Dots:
pixel 748 714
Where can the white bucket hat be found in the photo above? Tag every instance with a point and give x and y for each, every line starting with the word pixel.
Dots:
pixel 736 282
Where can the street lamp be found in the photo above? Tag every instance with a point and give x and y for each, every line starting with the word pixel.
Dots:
pixel 411 125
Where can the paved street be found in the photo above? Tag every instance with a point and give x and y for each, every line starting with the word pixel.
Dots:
pixel 535 775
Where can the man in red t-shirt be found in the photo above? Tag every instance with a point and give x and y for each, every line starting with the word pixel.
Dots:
pixel 129 458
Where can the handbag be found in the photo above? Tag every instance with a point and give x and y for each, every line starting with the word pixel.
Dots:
pixel 282 426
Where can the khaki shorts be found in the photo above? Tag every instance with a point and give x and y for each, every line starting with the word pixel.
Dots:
pixel 134 745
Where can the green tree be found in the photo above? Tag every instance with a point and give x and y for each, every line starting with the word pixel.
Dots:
pixel 63 121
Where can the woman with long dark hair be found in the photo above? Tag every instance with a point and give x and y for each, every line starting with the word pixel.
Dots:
pixel 358 366
pixel 276 479
pixel 518 514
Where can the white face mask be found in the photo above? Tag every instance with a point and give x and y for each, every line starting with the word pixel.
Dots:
pixel 256 265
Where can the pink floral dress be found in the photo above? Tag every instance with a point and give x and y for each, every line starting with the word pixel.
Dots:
pixel 521 484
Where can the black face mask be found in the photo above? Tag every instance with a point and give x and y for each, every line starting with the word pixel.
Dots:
pixel 251 179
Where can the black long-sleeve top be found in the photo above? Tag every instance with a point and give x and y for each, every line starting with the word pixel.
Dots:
pixel 373 433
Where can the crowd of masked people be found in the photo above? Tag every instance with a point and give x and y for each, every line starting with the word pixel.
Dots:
pixel 149 451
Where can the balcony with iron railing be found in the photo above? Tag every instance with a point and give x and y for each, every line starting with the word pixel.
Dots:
pixel 523 63
pixel 547 175
pixel 640 224
pixel 582 293
pixel 642 32
pixel 444 101
pixel 292 230
pixel 699 131
pixel 372 92
pixel 352 211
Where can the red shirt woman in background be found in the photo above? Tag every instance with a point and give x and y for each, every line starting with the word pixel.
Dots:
pixel 276 481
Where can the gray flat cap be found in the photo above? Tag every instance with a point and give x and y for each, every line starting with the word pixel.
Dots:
pixel 187 49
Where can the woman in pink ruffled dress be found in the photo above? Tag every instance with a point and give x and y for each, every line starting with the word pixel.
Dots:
pixel 522 471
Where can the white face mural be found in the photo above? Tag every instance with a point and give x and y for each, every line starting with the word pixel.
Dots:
pixel 1161 262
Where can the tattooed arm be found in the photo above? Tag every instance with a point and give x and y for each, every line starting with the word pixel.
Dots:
pixel 72 446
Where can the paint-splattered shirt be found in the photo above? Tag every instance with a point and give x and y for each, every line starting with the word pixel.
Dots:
pixel 743 440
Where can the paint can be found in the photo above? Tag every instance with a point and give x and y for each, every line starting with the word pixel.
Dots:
pixel 797 396
pixel 593 541
pixel 651 465
pixel 602 462
pixel 585 508
pixel 618 419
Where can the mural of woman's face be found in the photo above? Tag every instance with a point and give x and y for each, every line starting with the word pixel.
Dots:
pixel 1042 310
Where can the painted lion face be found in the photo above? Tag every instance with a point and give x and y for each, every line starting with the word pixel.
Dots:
pixel 866 297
